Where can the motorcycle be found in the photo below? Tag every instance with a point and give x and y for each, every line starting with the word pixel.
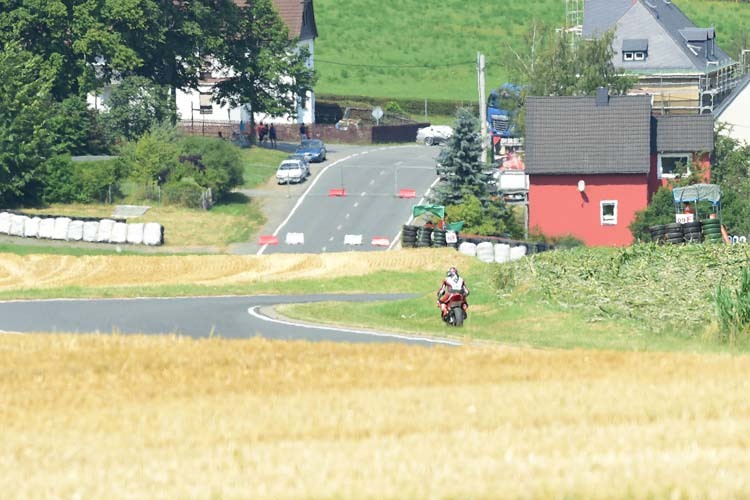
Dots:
pixel 456 308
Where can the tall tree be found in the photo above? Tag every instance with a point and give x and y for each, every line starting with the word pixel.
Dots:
pixel 550 66
pixel 135 106
pixel 462 171
pixel 26 105
pixel 268 71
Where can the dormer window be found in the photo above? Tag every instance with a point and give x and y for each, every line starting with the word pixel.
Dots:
pixel 634 49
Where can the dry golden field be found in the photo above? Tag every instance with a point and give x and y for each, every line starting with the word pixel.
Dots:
pixel 56 271
pixel 168 417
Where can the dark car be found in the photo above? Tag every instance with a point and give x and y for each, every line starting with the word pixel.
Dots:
pixel 313 149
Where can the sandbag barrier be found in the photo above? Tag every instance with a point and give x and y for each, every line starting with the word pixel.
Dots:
pixel 81 229
pixel 487 249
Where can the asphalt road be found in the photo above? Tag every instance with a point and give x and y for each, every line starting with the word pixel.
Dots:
pixel 371 179
pixel 197 317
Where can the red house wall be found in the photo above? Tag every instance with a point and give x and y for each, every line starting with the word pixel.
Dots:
pixel 557 208
pixel 654 183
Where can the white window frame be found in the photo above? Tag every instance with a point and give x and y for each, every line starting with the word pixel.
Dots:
pixel 685 156
pixel 627 56
pixel 608 220
pixel 639 56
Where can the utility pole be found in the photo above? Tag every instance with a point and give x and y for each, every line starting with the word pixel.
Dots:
pixel 482 105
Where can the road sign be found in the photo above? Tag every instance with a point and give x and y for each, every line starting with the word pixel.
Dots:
pixel 377 113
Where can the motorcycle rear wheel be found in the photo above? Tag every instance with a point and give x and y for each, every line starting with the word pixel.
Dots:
pixel 458 316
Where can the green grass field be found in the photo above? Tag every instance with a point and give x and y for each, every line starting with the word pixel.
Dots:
pixel 410 50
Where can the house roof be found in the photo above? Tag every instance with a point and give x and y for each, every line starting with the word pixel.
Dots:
pixel 684 133
pixel 572 135
pixel 690 48
pixel 635 44
pixel 298 15
pixel 741 86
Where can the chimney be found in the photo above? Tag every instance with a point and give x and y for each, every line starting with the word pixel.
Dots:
pixel 602 96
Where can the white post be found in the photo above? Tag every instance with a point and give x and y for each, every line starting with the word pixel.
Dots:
pixel 482 105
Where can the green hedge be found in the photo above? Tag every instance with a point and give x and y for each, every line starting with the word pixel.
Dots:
pixel 184 193
pixel 66 181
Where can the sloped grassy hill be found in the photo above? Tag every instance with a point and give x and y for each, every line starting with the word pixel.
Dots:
pixel 362 43
pixel 660 288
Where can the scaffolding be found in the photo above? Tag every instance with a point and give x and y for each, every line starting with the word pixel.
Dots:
pixel 573 22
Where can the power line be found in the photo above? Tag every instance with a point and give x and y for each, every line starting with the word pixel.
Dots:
pixel 338 63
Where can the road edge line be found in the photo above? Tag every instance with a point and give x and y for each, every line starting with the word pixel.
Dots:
pixel 253 311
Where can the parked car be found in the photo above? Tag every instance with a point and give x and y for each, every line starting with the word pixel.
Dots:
pixel 313 149
pixel 434 134
pixel 291 171
pixel 301 157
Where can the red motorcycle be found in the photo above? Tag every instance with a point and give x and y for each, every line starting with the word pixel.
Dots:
pixel 453 305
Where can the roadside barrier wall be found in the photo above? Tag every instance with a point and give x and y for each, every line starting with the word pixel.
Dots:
pixel 89 230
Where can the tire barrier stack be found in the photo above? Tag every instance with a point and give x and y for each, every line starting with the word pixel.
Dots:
pixel 691 232
pixel 438 238
pixel 711 229
pixel 88 230
pixel 409 236
pixel 424 237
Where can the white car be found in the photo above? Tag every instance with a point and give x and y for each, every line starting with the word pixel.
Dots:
pixel 291 171
pixel 434 134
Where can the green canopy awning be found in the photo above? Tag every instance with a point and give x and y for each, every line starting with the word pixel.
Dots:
pixel 438 210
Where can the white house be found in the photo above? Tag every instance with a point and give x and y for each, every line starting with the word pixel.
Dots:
pixel 195 106
pixel 734 112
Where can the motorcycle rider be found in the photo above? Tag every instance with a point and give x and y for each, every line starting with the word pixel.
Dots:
pixel 453 281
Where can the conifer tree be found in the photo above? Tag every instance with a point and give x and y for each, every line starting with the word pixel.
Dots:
pixel 460 166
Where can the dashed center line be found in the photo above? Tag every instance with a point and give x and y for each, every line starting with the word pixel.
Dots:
pixel 372 181
pixel 363 193
pixel 356 204
pixel 338 228
pixel 330 239
pixel 346 216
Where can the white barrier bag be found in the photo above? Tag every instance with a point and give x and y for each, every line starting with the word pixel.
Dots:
pixel 135 233
pixel 152 234
pixel 468 248
pixel 60 231
pixel 4 223
pixel 486 252
pixel 295 238
pixel 90 230
pixel 352 239
pixel 119 233
pixel 517 252
pixel 47 228
pixel 31 228
pixel 105 230
pixel 17 223
pixel 75 230
pixel 502 253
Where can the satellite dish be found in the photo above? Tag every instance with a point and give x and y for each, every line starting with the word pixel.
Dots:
pixel 581 186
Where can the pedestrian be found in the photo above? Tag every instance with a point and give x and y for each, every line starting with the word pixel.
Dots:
pixel 272 135
pixel 261 133
pixel 302 132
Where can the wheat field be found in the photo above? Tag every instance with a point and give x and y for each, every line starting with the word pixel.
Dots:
pixel 58 271
pixel 170 417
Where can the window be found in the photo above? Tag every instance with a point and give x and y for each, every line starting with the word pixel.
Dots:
pixel 627 56
pixel 639 56
pixel 205 103
pixel 608 212
pixel 671 164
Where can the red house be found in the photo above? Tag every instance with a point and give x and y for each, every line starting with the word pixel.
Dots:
pixel 593 162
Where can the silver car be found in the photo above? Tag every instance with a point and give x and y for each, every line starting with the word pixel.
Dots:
pixel 291 171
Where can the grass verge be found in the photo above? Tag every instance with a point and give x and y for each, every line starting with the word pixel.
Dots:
pixel 260 164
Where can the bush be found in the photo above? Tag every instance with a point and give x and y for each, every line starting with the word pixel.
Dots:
pixel 733 309
pixel 85 182
pixel 185 193
pixel 217 164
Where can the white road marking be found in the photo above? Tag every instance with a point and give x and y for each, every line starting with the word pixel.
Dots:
pixel 398 164
pixel 304 195
pixel 338 228
pixel 3 332
pixel 253 311
pixel 324 248
pixel 382 172
pixel 356 204
pixel 363 193
pixel 346 216
pixel 397 238
pixel 330 239
pixel 372 181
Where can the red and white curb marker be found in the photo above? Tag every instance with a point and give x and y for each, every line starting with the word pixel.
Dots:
pixel 295 238
pixel 268 239
pixel 337 192
pixel 380 241
pixel 407 193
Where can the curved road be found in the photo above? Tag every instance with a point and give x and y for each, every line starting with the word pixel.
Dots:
pixel 227 317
